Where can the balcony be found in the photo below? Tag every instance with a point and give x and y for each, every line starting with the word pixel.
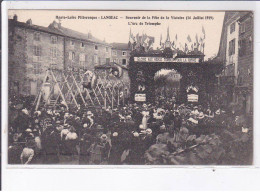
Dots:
pixel 227 80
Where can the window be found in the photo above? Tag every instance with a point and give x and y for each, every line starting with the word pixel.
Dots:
pixel 72 56
pixel 106 49
pixel 82 45
pixel 124 53
pixel 95 59
pixel 107 61
pixel 53 53
pixel 242 28
pixel 37 50
pixel 242 47
pixel 240 80
pixel 232 27
pixel 96 47
pixel 123 61
pixel 82 59
pixel 114 53
pixel 54 39
pixel 231 47
pixel 72 43
pixel 36 36
pixel 37 68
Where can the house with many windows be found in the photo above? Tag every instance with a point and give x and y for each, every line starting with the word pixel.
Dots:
pixel 236 52
pixel 121 53
pixel 33 49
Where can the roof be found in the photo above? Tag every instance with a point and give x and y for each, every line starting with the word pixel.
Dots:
pixel 61 31
pixel 78 35
pixel 35 27
pixel 120 46
pixel 245 16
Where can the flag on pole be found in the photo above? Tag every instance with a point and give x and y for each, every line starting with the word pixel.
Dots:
pixel 186 48
pixel 188 38
pixel 197 41
pixel 173 44
pixel 137 39
pixel 204 33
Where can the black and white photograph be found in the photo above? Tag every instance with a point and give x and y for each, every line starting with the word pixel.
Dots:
pixel 133 88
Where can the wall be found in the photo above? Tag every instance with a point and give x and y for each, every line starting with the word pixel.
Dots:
pixel 89 51
pixel 232 59
pixel 119 56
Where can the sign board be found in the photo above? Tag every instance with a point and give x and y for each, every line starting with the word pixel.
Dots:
pixel 193 98
pixel 162 59
pixel 140 97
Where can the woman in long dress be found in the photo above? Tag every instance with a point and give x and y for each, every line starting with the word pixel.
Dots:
pixel 146 116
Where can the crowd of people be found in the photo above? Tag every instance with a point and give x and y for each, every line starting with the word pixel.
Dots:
pixel 121 135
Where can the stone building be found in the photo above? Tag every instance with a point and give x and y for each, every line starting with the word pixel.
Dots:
pixel 82 51
pixel 33 49
pixel 120 53
pixel 236 52
pixel 244 87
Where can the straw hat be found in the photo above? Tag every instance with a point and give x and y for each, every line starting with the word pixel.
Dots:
pixel 115 134
pixel 28 130
pixel 149 131
pixel 103 136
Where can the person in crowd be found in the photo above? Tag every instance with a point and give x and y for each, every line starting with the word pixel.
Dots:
pixel 50 145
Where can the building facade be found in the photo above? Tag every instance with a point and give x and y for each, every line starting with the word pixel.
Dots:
pixel 35 49
pixel 120 53
pixel 32 50
pixel 235 43
pixel 244 87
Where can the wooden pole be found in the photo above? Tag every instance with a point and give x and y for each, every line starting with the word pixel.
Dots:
pixel 62 96
pixel 73 97
pixel 112 98
pixel 105 102
pixel 79 90
pixel 40 94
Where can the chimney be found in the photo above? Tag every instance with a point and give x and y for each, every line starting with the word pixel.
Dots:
pixel 15 17
pixel 29 22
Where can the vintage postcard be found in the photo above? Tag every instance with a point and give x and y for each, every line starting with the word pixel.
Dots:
pixel 130 87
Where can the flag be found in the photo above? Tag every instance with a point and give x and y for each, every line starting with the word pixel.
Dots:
pixel 196 37
pixel 144 37
pixel 137 39
pixel 173 44
pixel 188 38
pixel 197 41
pixel 186 48
pixel 151 41
pixel 203 31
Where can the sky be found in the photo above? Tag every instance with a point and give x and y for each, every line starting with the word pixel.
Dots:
pixel 117 30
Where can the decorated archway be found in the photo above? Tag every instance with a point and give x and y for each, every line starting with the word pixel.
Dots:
pixel 144 65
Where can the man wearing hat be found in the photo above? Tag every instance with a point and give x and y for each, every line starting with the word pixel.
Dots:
pixel 86 139
pixel 50 145
pixel 177 122
pixel 116 149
